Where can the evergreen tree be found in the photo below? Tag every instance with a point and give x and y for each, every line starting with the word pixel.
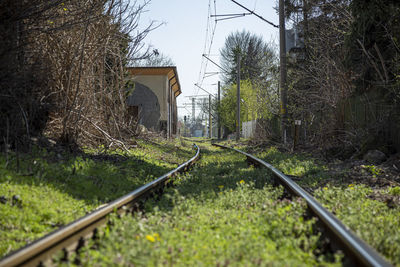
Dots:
pixel 257 57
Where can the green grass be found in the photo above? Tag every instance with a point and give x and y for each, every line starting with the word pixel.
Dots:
pixel 45 190
pixel 372 220
pixel 222 213
pixel 310 171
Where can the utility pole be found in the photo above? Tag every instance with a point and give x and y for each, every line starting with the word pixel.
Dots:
pixel 218 107
pixel 283 83
pixel 193 110
pixel 209 116
pixel 238 99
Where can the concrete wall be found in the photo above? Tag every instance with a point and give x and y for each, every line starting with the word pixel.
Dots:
pixel 159 85
pixel 151 95
pixel 149 106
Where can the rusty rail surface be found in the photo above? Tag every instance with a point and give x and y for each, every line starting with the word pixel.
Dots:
pixel 73 235
pixel 357 251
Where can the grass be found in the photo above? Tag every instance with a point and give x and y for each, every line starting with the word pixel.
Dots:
pixel 372 220
pixel 44 190
pixel 222 213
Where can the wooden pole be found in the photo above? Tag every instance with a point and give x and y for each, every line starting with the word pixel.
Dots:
pixel 219 115
pixel 283 83
pixel 209 117
pixel 238 100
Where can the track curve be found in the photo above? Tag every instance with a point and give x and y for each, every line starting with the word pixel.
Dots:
pixel 73 236
pixel 359 252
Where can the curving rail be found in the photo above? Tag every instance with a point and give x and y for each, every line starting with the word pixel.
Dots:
pixel 356 250
pixel 73 235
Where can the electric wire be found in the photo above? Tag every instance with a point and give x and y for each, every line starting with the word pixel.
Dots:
pixel 210 33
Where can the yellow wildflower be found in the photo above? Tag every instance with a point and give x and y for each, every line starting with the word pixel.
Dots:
pixel 220 186
pixel 156 236
pixel 150 238
pixel 325 188
pixel 242 182
pixel 65 9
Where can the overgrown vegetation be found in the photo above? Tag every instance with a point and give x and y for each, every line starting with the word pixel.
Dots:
pixel 258 79
pixel 42 191
pixel 62 69
pixel 374 221
pixel 222 213
pixel 344 78
pixel 343 75
pixel 226 213
pixel 368 209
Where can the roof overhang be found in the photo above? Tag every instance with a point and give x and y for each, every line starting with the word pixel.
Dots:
pixel 169 71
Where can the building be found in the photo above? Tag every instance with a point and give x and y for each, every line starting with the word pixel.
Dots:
pixel 151 98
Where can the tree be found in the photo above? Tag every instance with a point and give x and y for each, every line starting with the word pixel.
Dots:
pixel 255 103
pixel 62 68
pixel 257 57
pixel 349 63
pixel 373 45
pixel 155 59
pixel 318 79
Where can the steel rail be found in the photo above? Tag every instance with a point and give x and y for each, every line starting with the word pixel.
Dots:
pixel 356 249
pixel 72 235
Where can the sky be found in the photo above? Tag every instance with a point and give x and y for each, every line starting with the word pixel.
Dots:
pixel 187 32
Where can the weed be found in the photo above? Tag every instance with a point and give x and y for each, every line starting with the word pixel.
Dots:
pixel 48 189
pixel 372 169
pixel 222 213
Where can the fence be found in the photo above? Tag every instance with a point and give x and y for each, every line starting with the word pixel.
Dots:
pixel 371 112
pixel 249 129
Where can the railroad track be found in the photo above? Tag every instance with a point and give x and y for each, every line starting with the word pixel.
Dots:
pixel 74 235
pixel 358 253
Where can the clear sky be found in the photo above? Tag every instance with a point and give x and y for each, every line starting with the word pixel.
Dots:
pixel 184 36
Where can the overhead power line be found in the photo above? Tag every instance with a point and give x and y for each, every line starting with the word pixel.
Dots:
pixel 255 14
pixel 230 16
pixel 204 90
pixel 210 32
pixel 215 64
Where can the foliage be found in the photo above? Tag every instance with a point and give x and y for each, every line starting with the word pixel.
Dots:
pixel 223 213
pixel 46 190
pixel 372 220
pixel 350 51
pixel 309 170
pixel 257 57
pixel 256 102
pixel 61 65
pixel 258 74
pixel 318 78
pixel 155 59
pixel 373 51
pixel 372 169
